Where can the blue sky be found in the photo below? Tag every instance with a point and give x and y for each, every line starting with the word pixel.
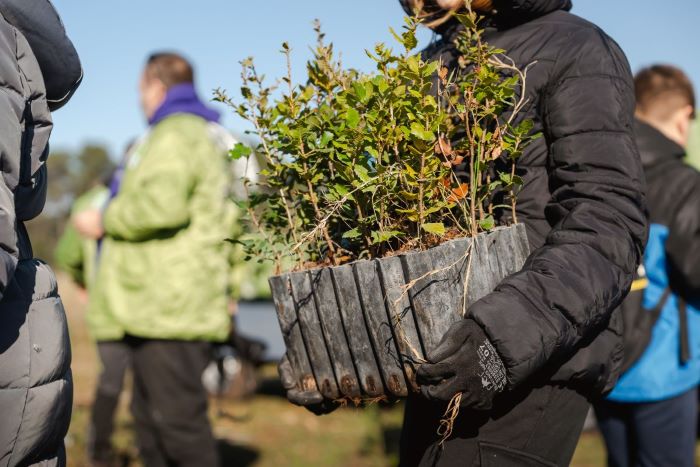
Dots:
pixel 113 39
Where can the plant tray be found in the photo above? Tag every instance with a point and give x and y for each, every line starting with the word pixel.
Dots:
pixel 357 331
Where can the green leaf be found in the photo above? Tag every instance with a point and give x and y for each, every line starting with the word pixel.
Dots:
pixel 411 172
pixel 398 38
pixel 369 89
pixel 360 91
pixel 385 235
pixel 431 68
pixel 239 150
pixel 352 119
pixel 381 84
pixel 372 152
pixel 409 40
pixel 326 138
pixel 437 228
pixel 526 126
pixel 418 131
pixel 413 63
pixel 467 21
pixel 340 189
pixel 362 173
pixel 488 223
pixel 350 234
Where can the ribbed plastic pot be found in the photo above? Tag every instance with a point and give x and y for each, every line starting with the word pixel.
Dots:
pixel 358 331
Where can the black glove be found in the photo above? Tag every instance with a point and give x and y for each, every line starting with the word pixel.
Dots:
pixel 313 401
pixel 464 362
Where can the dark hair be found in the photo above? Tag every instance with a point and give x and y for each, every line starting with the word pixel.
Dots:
pixel 170 68
pixel 662 89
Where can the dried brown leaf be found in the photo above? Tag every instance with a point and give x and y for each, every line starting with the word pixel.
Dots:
pixel 459 193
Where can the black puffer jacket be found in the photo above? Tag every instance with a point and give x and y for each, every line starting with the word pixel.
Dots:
pixel 582 200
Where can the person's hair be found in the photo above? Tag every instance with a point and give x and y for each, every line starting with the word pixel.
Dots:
pixel 661 90
pixel 170 68
pixel 435 16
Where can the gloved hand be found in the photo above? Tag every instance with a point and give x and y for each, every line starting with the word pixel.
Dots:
pixel 313 401
pixel 464 362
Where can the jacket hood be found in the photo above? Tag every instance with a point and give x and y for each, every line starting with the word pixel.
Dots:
pixel 513 12
pixel 507 13
pixel 58 60
pixel 654 147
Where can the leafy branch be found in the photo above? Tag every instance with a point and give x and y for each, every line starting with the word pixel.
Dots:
pixel 364 165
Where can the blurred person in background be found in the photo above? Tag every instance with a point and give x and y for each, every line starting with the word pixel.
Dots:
pixel 164 266
pixel 650 418
pixel 693 152
pixel 529 356
pixel 79 257
pixel 39 70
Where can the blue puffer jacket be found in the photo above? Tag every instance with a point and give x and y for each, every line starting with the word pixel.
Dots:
pixel 671 261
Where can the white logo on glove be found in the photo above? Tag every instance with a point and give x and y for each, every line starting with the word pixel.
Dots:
pixel 493 373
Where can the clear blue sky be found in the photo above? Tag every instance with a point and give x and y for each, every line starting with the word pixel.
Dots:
pixel 113 39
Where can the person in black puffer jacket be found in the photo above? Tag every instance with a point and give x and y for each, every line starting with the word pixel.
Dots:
pixel 531 355
pixel 552 324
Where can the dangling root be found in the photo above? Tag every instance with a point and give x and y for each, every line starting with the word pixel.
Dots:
pixel 450 416
pixel 395 310
pixel 447 423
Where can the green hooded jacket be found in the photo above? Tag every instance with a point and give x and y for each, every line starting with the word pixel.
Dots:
pixel 164 266
pixel 77 255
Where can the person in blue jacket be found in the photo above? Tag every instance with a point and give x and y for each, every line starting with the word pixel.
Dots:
pixel 650 417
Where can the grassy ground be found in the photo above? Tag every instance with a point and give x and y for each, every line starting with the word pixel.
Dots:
pixel 264 430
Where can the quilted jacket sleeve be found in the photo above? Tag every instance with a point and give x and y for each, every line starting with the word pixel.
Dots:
pixel 156 201
pixel 570 286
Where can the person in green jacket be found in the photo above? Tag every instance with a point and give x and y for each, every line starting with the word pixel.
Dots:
pixel 164 268
pixel 78 255
pixel 75 254
pixel 693 151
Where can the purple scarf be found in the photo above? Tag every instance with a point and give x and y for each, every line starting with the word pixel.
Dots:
pixel 182 98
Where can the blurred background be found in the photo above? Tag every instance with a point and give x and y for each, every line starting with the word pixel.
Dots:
pixel 114 39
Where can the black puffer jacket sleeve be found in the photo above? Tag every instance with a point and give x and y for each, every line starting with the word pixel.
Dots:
pixel 569 287
pixel 58 59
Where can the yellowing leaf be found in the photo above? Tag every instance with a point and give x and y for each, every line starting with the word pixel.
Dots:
pixel 437 228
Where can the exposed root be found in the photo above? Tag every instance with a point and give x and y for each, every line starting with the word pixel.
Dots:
pixel 397 314
pixel 447 423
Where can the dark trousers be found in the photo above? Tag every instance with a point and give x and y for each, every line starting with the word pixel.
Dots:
pixel 528 427
pixel 115 357
pixel 652 434
pixel 169 403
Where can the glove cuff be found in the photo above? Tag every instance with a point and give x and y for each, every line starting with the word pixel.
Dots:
pixel 492 371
